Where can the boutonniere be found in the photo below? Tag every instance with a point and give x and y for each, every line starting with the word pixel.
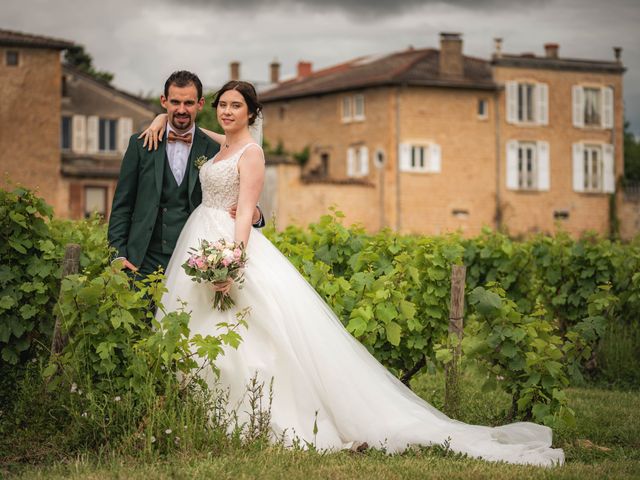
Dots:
pixel 200 161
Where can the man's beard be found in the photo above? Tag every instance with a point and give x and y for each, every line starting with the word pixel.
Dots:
pixel 176 126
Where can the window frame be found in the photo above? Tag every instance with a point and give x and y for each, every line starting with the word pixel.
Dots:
pixel 107 135
pixel 528 179
pixel 103 188
pixel 587 167
pixel 66 119
pixel 7 63
pixel 484 115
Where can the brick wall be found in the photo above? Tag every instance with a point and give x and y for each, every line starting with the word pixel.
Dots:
pixel 30 123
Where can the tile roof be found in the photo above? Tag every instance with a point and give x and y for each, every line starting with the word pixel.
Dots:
pixel 572 64
pixel 409 67
pixel 12 38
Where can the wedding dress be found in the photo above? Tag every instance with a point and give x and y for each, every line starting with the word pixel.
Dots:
pixel 321 375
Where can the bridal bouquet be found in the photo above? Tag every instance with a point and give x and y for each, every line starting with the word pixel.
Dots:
pixel 215 262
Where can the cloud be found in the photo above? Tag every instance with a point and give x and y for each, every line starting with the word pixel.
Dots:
pixel 364 9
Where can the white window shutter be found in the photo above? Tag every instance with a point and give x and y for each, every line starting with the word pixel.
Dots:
pixel 364 161
pixel 125 127
pixel 512 165
pixel 404 154
pixel 578 105
pixel 92 134
pixel 435 158
pixel 544 176
pixel 512 102
pixel 608 161
pixel 542 97
pixel 607 107
pixel 578 167
pixel 351 162
pixel 79 126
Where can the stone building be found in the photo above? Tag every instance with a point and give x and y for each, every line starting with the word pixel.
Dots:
pixel 430 141
pixel 96 123
pixel 30 109
pixel 62 132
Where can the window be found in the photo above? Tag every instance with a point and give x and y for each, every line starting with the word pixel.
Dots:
pixel 324 164
pixel 592 106
pixel 65 133
pixel 107 135
pixel 528 165
pixel 12 58
pixel 593 168
pixel 483 108
pixel 357 161
pixel 346 109
pixel 358 113
pixel 352 108
pixel 592 164
pixel 422 157
pixel 527 103
pixel 95 201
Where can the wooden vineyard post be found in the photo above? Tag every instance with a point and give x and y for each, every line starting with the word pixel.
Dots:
pixel 70 265
pixel 452 368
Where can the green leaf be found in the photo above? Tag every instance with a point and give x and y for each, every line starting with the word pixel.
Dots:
pixel 394 332
pixel 486 302
pixel 49 370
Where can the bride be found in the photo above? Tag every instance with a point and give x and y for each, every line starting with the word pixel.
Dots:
pixel 327 389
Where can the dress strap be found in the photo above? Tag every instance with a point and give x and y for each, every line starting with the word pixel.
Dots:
pixel 241 151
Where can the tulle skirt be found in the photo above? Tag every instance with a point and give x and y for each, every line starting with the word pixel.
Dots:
pixel 322 376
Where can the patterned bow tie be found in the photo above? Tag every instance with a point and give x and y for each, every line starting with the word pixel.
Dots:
pixel 174 137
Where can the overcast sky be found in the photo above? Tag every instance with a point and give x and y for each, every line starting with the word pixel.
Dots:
pixel 143 41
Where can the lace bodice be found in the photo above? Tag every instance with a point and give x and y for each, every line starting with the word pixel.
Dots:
pixel 220 181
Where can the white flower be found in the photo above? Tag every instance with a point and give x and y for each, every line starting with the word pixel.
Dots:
pixel 117 398
pixel 153 439
pixel 74 387
pixel 168 431
pixel 211 258
pixel 84 414
pixel 79 392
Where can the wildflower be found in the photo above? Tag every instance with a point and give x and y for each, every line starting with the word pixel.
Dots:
pixel 153 439
pixel 79 392
pixel 74 387
pixel 117 398
pixel 168 431
pixel 84 415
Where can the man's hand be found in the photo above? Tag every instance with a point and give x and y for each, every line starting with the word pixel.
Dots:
pixel 125 264
pixel 254 219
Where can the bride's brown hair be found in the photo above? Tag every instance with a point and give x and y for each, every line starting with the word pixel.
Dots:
pixel 248 91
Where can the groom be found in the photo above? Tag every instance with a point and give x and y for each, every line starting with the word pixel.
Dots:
pixel 158 190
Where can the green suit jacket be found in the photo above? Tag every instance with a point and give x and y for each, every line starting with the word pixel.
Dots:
pixel 137 197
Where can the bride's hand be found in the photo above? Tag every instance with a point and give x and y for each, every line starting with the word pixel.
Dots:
pixel 154 132
pixel 223 287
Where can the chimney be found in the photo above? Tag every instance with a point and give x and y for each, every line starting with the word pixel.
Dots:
pixel 497 43
pixel 274 69
pixel 451 63
pixel 617 52
pixel 551 50
pixel 234 68
pixel 304 69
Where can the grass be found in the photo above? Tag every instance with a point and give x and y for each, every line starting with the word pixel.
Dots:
pixel 605 443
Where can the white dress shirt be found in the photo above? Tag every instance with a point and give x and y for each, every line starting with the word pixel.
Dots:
pixel 178 154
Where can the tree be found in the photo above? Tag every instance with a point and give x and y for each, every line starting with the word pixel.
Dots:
pixel 631 156
pixel 77 57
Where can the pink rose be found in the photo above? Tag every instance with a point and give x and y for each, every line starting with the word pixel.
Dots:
pixel 237 253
